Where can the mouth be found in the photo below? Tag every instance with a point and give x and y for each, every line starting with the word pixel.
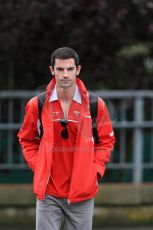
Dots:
pixel 65 81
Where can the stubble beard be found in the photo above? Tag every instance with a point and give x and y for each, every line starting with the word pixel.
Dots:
pixel 68 85
pixel 64 86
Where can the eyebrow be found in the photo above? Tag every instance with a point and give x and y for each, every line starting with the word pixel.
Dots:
pixel 60 68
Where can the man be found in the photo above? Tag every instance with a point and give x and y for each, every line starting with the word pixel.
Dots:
pixel 65 160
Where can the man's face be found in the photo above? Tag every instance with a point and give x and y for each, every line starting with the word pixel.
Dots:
pixel 65 72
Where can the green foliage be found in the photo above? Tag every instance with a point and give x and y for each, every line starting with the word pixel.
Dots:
pixel 134 50
pixel 148 63
pixel 111 38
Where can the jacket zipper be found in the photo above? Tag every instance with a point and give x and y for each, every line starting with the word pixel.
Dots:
pixel 48 179
pixel 46 183
pixel 68 201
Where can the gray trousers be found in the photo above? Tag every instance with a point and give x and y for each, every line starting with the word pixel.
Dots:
pixel 54 212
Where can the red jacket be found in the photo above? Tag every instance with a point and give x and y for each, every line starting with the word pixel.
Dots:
pixel 89 158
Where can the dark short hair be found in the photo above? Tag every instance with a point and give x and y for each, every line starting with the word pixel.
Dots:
pixel 64 53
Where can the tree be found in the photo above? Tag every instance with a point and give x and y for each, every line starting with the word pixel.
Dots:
pixel 113 39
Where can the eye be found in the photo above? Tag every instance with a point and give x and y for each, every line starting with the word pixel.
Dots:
pixel 70 69
pixel 59 69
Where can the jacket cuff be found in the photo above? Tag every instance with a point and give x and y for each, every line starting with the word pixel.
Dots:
pixel 100 170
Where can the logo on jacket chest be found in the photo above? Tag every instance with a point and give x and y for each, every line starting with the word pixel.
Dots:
pixel 55 113
pixel 77 113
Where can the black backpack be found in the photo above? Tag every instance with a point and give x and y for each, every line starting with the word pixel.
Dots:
pixel 93 99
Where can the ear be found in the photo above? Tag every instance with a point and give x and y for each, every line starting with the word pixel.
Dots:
pixel 51 70
pixel 78 70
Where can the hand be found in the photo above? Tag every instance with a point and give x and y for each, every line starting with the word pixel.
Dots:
pixel 98 176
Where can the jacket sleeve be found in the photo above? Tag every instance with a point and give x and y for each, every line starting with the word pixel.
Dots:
pixel 106 138
pixel 28 134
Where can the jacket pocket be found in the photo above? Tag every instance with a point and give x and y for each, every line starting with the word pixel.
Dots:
pixel 92 185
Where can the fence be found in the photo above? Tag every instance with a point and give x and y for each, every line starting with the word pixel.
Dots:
pixel 132 116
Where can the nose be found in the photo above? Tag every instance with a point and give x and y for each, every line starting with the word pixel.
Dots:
pixel 65 73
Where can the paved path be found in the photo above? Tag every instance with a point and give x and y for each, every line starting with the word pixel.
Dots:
pixel 120 228
pixel 134 228
pixel 137 228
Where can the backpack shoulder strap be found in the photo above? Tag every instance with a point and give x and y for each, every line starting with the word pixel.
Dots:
pixel 93 99
pixel 41 100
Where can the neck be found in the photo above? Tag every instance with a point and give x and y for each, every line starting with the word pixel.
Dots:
pixel 66 94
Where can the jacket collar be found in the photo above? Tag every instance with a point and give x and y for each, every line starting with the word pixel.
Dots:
pixel 77 95
pixel 81 87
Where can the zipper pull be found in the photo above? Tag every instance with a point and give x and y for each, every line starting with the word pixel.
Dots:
pixel 68 201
